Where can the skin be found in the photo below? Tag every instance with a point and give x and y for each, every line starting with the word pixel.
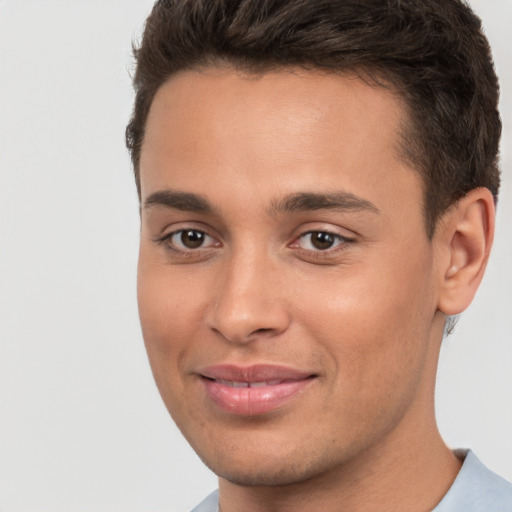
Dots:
pixel 364 316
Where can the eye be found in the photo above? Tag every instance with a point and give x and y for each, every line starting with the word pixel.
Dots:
pixel 189 239
pixel 319 241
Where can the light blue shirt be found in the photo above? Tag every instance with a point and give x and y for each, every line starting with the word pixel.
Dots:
pixel 476 489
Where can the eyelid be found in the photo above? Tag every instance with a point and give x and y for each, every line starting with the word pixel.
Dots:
pixel 330 229
pixel 187 225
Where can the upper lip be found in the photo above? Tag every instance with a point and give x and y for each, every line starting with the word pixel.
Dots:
pixel 253 373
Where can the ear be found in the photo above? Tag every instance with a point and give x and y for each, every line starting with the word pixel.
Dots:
pixel 464 239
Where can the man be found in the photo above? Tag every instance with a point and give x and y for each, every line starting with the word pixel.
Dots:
pixel 317 185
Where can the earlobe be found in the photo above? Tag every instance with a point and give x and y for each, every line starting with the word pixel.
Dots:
pixel 465 239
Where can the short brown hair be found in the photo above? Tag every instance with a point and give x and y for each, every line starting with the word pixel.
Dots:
pixel 432 52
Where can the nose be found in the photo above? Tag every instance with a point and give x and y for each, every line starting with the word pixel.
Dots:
pixel 249 302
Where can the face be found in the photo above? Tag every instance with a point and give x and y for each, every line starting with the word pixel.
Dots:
pixel 286 287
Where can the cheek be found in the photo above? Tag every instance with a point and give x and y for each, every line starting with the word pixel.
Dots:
pixel 168 316
pixel 169 321
pixel 373 325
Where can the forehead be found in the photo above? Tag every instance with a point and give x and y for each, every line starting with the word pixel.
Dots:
pixel 284 128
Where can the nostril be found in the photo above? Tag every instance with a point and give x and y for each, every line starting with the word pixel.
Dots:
pixel 262 331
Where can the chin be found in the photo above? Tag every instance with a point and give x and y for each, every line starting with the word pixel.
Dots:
pixel 267 470
pixel 279 474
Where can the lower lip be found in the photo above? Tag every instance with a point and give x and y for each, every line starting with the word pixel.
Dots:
pixel 254 401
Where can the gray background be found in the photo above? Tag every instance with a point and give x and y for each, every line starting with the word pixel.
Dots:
pixel 82 427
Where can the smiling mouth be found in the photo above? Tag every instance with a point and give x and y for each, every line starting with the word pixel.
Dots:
pixel 242 384
pixel 253 390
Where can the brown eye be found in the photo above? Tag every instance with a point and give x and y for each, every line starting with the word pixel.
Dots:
pixel 186 240
pixel 320 240
pixel 192 239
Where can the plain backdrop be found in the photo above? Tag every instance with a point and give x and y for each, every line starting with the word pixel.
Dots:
pixel 82 427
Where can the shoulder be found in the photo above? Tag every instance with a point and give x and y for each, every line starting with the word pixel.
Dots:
pixel 477 489
pixel 209 504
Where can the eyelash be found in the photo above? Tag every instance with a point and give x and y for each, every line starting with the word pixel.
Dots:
pixel 340 244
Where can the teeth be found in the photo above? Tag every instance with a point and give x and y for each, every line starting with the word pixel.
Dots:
pixel 258 384
pixel 237 384
pixel 264 383
pixel 234 383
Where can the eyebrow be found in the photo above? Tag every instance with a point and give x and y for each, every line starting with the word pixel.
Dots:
pixel 184 201
pixel 298 202
pixel 308 201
